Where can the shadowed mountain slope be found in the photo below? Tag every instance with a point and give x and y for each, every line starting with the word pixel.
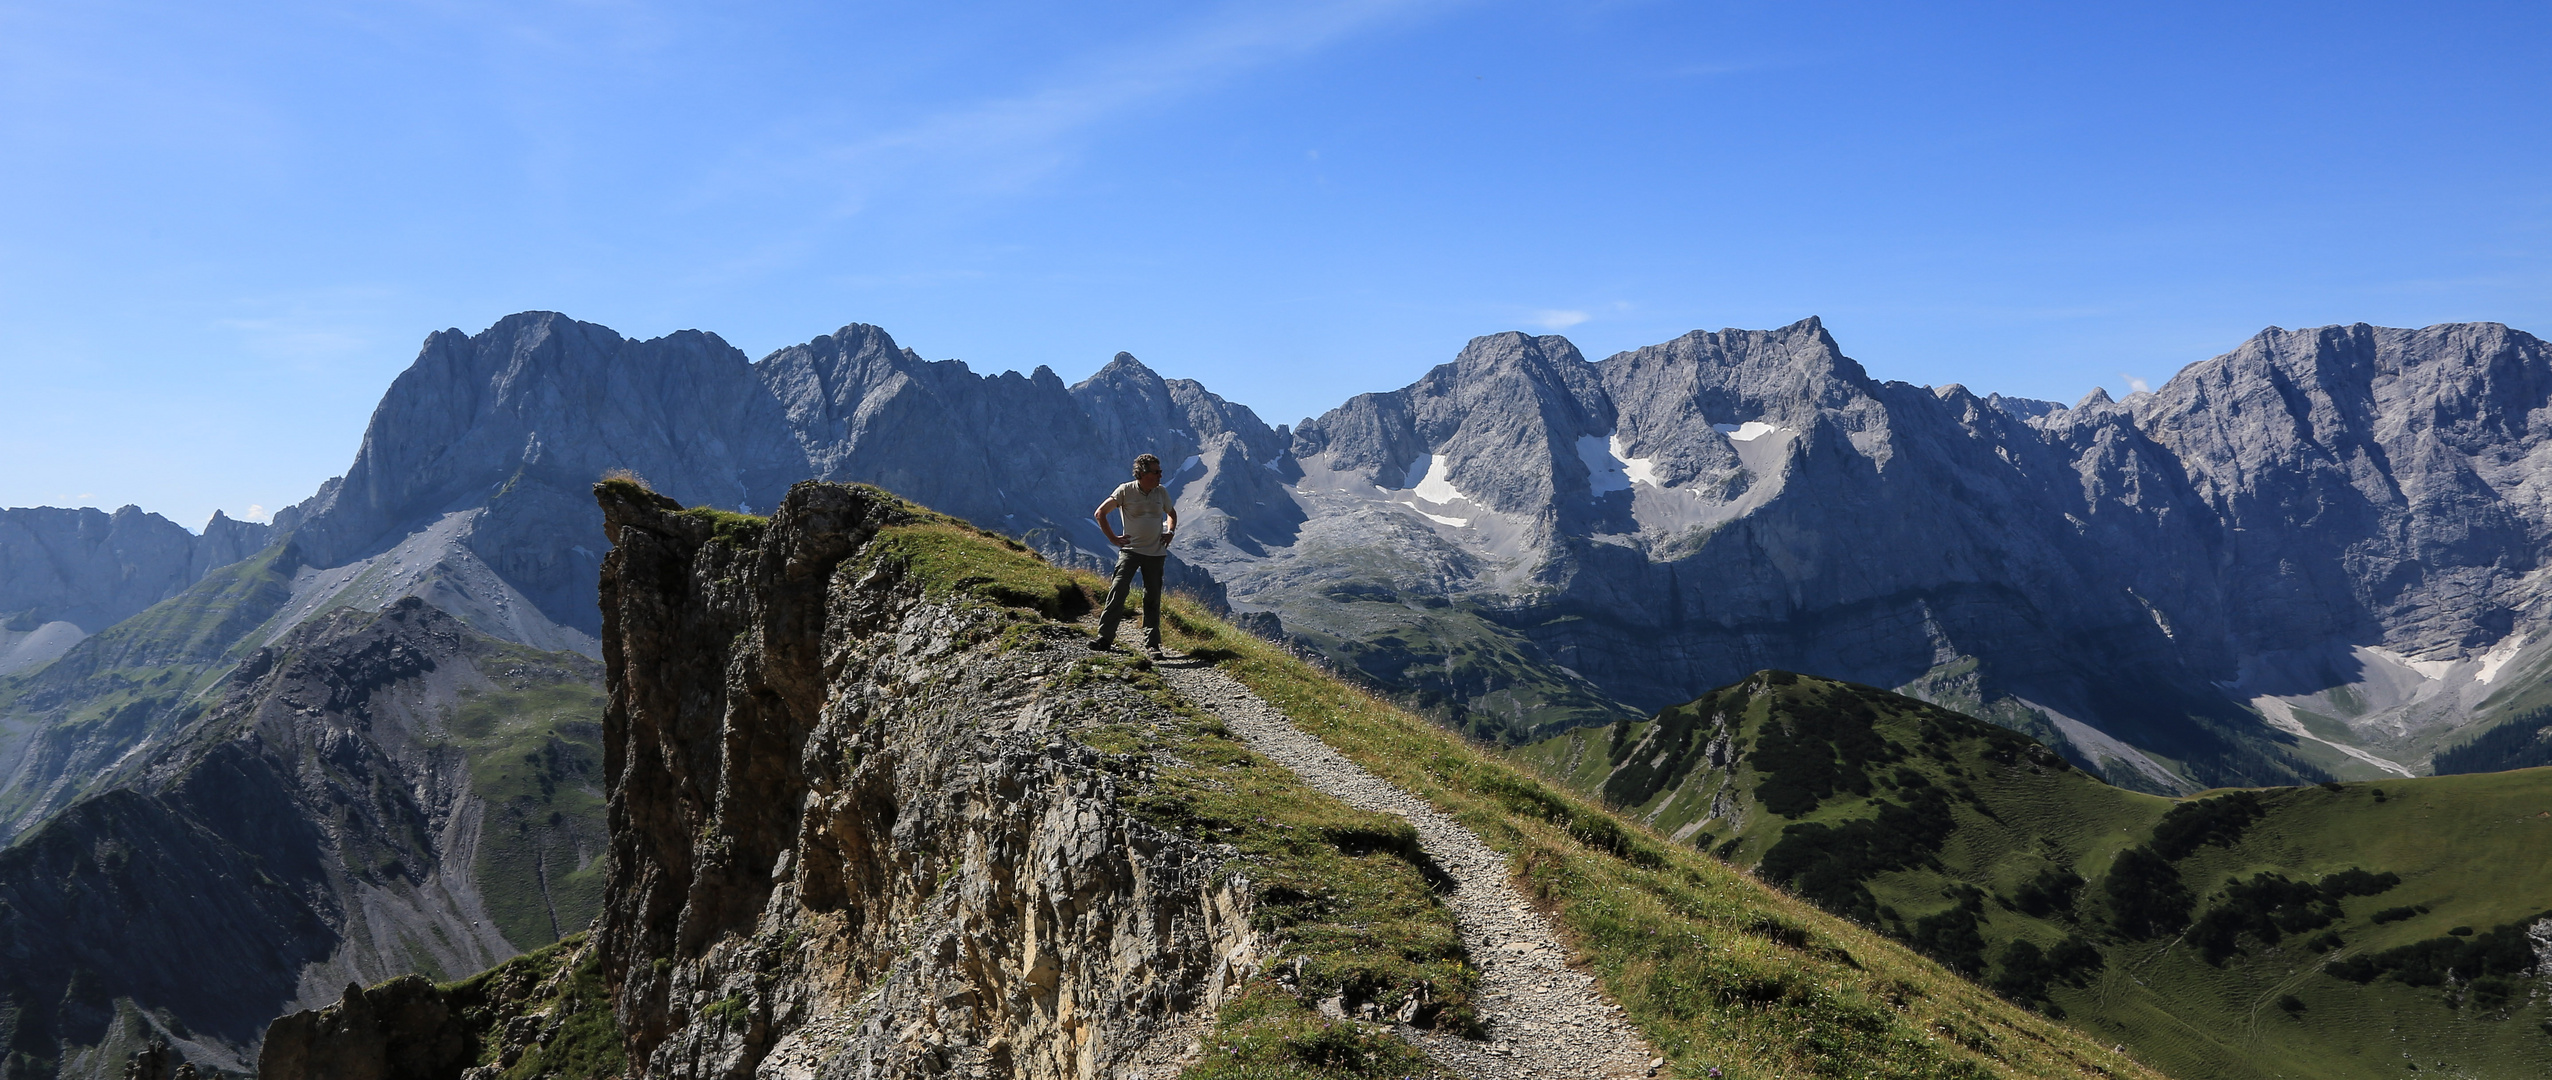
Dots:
pixel 374 795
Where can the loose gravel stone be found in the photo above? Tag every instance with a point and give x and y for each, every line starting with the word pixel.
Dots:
pixel 1544 1019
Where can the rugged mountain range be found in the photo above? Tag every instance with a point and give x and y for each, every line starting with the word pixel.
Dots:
pixel 2315 556
pixel 2310 556
pixel 2332 530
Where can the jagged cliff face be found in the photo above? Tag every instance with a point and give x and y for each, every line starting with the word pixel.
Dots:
pixel 375 794
pixel 505 429
pixel 2341 527
pixel 854 830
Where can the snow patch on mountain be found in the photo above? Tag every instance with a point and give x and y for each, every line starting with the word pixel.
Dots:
pixel 1609 466
pixel 1432 480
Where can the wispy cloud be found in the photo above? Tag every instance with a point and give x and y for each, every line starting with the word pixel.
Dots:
pixel 1553 319
pixel 1007 143
pixel 308 329
pixel 2134 385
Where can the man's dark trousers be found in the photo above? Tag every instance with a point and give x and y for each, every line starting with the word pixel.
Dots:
pixel 1127 563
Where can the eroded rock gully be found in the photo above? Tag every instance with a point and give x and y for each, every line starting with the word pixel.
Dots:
pixel 853 835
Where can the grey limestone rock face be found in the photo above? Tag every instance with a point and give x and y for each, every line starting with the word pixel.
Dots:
pixel 520 419
pixel 2377 484
pixel 1668 519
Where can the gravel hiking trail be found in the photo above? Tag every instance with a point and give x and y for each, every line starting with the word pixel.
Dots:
pixel 1544 1019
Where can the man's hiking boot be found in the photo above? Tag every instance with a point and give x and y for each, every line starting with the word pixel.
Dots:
pixel 1103 645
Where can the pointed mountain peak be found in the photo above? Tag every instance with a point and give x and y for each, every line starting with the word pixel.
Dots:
pixel 859 338
pixel 1125 373
pixel 2099 395
pixel 1123 365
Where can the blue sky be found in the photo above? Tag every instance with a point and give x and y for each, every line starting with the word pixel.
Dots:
pixel 227 227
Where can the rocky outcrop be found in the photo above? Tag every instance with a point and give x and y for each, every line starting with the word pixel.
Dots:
pixel 403 1029
pixel 355 805
pixel 854 830
pixel 544 1013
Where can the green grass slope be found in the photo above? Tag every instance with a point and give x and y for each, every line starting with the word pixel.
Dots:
pixel 533 736
pixel 140 678
pixel 1726 976
pixel 2337 930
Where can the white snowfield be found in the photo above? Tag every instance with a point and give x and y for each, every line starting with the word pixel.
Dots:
pixel 1434 482
pixel 1609 466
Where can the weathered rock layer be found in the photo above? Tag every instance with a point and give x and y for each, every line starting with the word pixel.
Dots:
pixel 852 833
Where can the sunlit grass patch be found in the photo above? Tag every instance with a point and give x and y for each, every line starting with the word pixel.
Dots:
pixel 584 1041
pixel 1269 1034
pixel 953 558
pixel 1341 890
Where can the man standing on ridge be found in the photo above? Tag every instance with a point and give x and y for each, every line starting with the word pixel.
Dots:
pixel 1150 519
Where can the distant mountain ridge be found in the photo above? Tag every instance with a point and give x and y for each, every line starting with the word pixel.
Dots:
pixel 2312 556
pixel 66 574
pixel 2336 529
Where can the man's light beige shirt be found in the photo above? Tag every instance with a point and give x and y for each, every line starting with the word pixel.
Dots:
pixel 1144 513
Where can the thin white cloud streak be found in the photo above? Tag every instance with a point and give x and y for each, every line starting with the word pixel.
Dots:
pixel 1004 145
pixel 1558 320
